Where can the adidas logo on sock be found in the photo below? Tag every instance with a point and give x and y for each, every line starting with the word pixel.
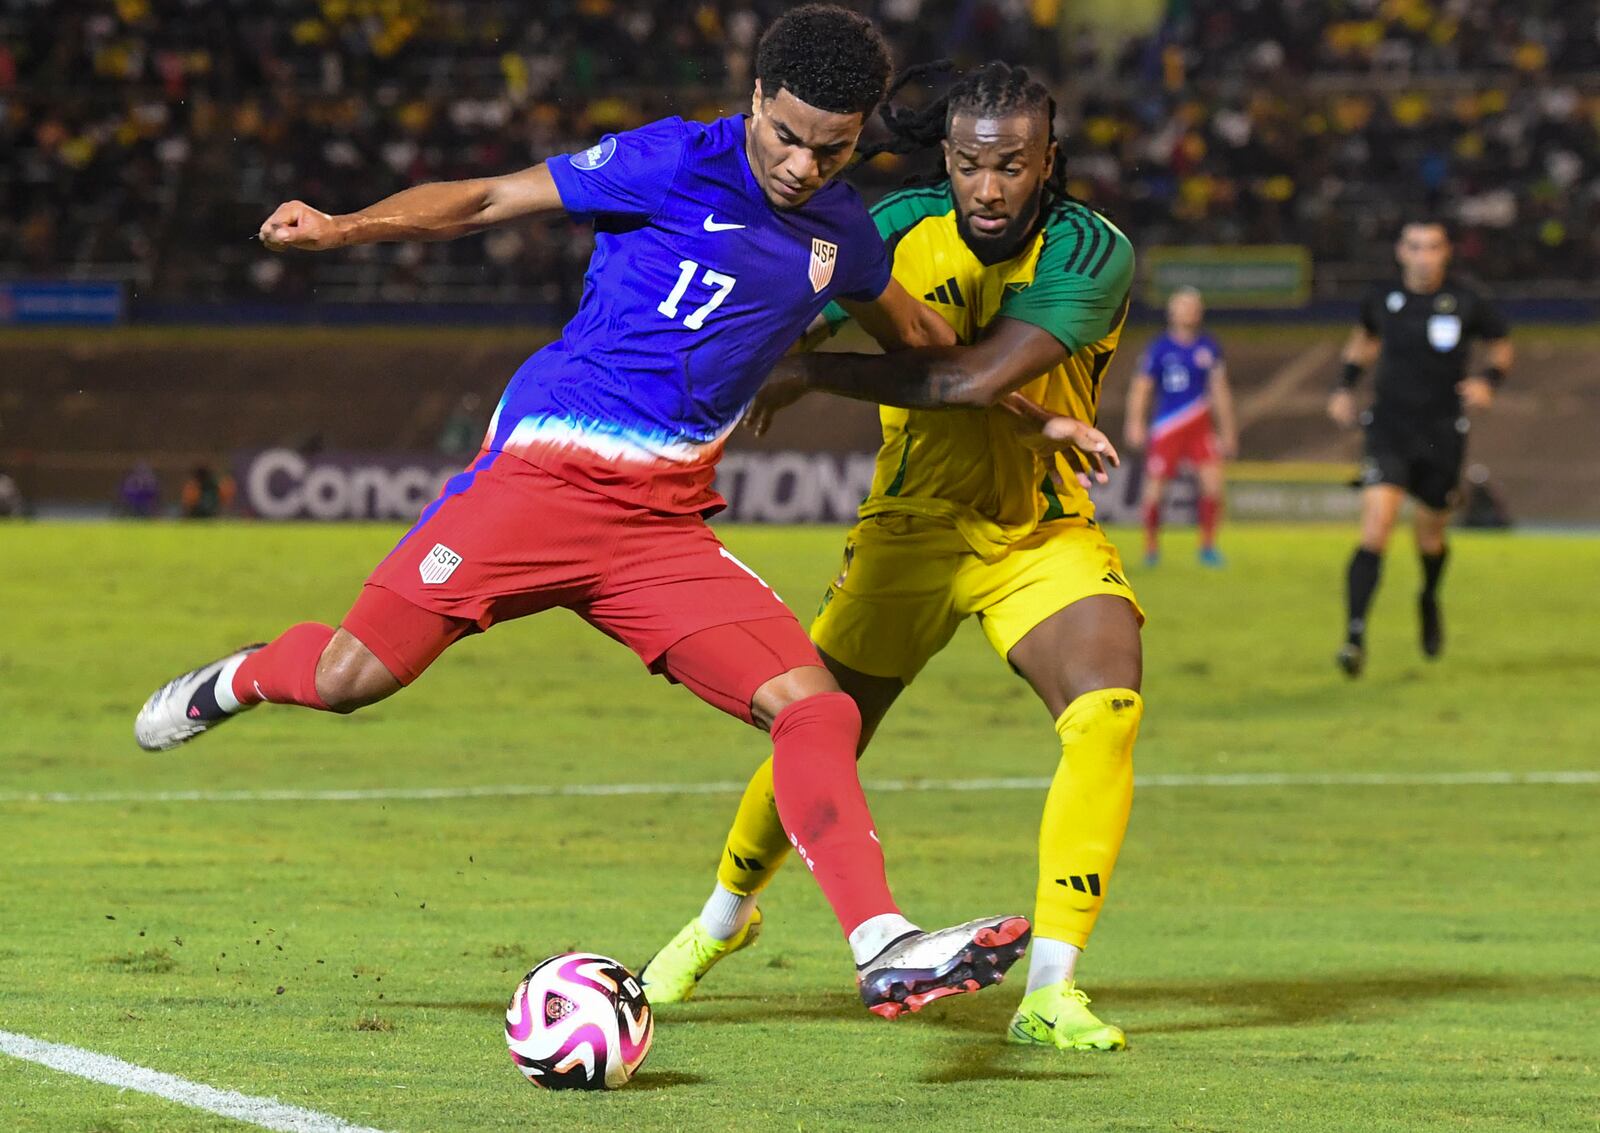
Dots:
pixel 1089 884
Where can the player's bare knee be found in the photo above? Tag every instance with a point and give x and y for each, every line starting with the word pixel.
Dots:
pixel 1430 531
pixel 350 676
pixel 788 689
pixel 1375 533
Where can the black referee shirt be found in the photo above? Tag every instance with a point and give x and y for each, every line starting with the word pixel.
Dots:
pixel 1425 345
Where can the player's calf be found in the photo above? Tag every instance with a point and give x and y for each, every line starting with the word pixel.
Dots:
pixel 1429 615
pixel 349 676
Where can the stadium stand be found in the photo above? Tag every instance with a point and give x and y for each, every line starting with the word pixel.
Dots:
pixel 149 137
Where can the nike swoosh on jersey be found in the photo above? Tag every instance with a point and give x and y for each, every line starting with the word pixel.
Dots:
pixel 713 225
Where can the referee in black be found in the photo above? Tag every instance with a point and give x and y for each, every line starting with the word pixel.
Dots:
pixel 1418 328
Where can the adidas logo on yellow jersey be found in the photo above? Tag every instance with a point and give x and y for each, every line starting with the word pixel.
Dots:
pixel 948 293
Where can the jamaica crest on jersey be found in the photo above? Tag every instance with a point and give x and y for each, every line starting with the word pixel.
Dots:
pixel 823 257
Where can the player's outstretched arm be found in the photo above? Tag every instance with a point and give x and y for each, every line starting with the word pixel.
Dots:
pixel 1010 356
pixel 897 320
pixel 441 210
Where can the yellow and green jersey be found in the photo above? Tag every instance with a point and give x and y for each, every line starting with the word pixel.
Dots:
pixel 969 467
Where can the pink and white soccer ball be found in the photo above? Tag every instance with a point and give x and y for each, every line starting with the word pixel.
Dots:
pixel 579 1021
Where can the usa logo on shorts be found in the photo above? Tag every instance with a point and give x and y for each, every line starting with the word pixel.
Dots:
pixel 438 565
pixel 823 256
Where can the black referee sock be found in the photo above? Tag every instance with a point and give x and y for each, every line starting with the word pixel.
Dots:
pixel 1432 570
pixel 1362 582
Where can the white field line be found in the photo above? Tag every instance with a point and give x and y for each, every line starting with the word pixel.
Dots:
pixel 267 1113
pixel 732 787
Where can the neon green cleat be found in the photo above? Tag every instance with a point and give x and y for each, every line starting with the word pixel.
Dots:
pixel 673 974
pixel 1059 1016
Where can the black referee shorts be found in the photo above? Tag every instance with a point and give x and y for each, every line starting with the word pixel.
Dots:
pixel 1422 457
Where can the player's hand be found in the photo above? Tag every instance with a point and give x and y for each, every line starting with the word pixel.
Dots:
pixel 1085 448
pixel 1135 436
pixel 1342 408
pixel 296 226
pixel 1476 393
pixel 786 386
pixel 1228 443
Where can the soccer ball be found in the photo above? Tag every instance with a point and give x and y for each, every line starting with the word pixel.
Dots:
pixel 579 1021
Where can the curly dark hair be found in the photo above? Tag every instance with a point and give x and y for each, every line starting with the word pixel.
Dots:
pixel 994 89
pixel 827 56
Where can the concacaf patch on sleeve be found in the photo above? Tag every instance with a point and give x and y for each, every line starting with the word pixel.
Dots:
pixel 596 155
pixel 823 256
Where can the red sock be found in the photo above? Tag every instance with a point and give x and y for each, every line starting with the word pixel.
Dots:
pixel 1210 510
pixel 823 808
pixel 1152 527
pixel 285 672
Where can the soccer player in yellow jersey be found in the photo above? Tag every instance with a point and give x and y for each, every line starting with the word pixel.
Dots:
pixel 966 516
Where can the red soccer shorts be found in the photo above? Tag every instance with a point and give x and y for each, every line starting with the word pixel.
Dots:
pixel 506 539
pixel 1189 445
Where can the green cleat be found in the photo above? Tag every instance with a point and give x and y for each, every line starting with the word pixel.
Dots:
pixel 1059 1016
pixel 673 974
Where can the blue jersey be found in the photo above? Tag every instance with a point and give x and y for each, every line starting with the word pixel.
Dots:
pixel 697 286
pixel 1182 374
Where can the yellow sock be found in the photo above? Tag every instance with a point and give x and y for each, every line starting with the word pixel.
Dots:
pixel 757 843
pixel 1086 812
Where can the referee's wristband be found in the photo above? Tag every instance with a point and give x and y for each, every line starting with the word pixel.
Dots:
pixel 1494 375
pixel 1350 375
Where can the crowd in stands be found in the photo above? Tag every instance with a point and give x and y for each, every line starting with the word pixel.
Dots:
pixel 147 139
pixel 1326 124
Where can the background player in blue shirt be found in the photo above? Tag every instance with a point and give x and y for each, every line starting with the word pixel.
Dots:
pixel 1193 425
pixel 716 245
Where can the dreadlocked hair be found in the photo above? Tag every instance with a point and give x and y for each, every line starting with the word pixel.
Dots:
pixel 992 90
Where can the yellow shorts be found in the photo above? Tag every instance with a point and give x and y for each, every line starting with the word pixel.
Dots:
pixel 908 582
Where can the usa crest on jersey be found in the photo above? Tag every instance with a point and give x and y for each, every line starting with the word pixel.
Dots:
pixel 823 256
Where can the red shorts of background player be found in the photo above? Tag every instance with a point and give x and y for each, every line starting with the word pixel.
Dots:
pixel 507 539
pixel 1189 445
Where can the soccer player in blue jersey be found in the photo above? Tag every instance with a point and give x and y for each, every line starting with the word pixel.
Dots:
pixel 716 246
pixel 1194 427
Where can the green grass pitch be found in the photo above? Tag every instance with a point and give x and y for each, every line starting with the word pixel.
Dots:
pixel 1372 958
